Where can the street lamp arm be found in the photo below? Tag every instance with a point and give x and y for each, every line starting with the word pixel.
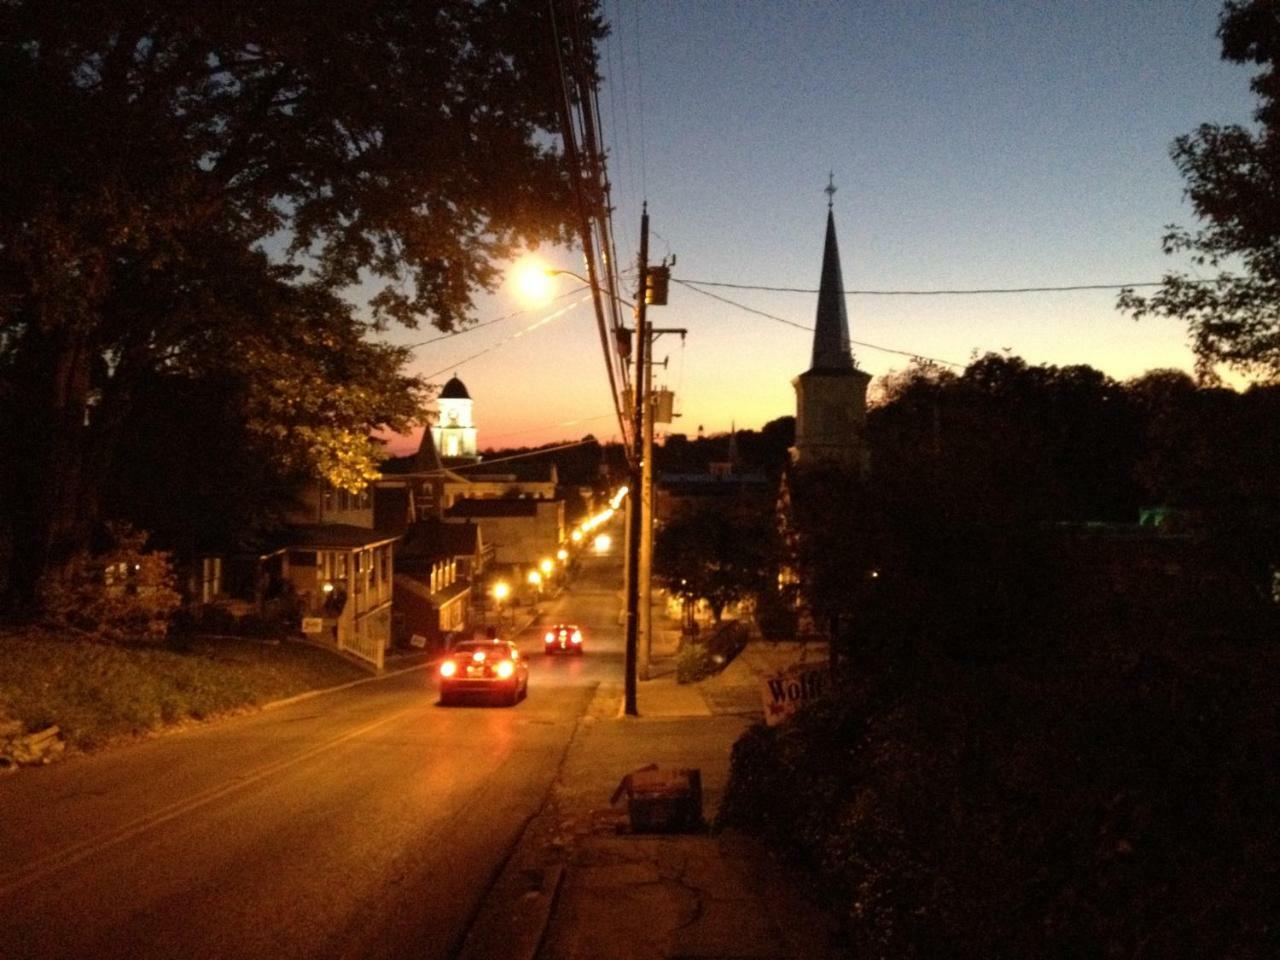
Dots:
pixel 554 272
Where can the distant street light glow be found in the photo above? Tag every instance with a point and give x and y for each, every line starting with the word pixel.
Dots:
pixel 501 591
pixel 602 543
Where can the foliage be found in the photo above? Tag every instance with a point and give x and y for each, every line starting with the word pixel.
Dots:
pixel 708 656
pixel 1088 793
pixel 205 191
pixel 1233 179
pixel 125 592
pixel 717 549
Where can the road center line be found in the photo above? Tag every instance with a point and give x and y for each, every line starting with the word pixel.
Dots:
pixel 77 852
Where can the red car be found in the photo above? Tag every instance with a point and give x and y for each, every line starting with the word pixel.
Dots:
pixel 563 638
pixel 488 667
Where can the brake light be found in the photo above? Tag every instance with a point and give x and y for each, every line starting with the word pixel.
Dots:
pixel 506 668
pixel 448 668
pixel 577 636
pixel 550 637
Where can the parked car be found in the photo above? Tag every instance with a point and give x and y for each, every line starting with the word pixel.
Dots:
pixel 563 638
pixel 490 668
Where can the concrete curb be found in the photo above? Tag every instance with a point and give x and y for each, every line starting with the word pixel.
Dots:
pixel 424 665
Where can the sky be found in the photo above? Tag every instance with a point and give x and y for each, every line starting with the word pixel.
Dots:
pixel 973 145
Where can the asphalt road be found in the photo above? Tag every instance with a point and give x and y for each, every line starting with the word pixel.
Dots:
pixel 364 823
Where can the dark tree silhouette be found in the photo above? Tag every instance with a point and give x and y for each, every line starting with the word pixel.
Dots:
pixel 193 188
pixel 1233 182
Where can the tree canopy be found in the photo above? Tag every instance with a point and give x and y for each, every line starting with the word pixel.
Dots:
pixel 718 549
pixel 253 192
pixel 1232 179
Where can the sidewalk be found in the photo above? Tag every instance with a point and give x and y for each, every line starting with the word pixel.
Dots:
pixel 580 887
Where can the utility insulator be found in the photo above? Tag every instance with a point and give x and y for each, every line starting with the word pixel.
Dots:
pixel 657 279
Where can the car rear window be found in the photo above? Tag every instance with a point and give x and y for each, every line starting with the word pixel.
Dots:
pixel 498 650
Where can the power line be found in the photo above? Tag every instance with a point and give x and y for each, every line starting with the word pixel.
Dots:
pixel 800 326
pixel 511 336
pixel 562 423
pixel 931 293
pixel 477 326
pixel 532 453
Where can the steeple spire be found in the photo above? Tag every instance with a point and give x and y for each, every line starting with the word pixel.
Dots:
pixel 831 332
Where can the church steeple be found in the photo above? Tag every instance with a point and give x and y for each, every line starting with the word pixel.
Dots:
pixel 831 332
pixel 831 396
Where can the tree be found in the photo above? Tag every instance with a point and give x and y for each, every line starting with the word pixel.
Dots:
pixel 199 190
pixel 1233 181
pixel 717 551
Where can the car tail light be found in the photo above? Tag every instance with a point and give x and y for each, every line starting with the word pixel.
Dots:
pixel 550 637
pixel 577 636
pixel 506 668
pixel 448 668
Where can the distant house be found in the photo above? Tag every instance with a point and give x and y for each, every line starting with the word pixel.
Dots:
pixel 341 569
pixel 438 565
pixel 522 531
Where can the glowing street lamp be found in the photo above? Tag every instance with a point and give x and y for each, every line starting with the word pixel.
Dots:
pixel 535 578
pixel 546 566
pixel 562 554
pixel 532 280
pixel 501 590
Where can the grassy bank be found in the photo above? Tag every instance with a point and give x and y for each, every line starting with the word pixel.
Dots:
pixel 99 693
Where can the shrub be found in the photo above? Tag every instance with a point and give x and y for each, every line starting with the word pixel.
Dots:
pixel 123 592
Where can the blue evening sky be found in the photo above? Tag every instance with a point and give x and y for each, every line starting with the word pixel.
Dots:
pixel 974 145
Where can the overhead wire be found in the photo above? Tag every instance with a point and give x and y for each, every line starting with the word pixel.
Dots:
pixel 800 326
pixel 939 292
pixel 540 322
pixel 577 87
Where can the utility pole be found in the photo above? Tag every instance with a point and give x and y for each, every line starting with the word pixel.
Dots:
pixel 636 514
pixel 646 530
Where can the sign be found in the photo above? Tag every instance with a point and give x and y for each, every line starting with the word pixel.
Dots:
pixel 785 693
pixel 313 624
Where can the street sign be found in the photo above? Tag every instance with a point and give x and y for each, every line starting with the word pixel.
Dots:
pixel 786 692
pixel 312 624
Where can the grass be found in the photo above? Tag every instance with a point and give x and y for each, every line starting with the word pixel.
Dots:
pixel 99 693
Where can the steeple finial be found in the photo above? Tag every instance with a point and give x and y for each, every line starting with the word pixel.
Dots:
pixel 831 332
pixel 830 190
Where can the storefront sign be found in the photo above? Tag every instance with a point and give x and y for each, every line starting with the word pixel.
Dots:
pixel 312 625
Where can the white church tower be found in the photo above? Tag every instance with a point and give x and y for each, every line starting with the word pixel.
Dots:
pixel 455 431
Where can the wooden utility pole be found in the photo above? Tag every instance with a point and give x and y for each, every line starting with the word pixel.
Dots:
pixel 636 514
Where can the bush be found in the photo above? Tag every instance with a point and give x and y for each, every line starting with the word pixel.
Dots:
pixel 692 663
pixel 124 592
pixel 698 661
pixel 1116 802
